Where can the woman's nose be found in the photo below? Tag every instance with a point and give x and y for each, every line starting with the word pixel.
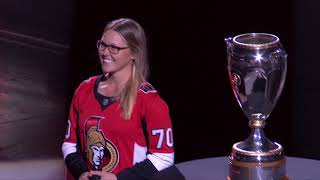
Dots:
pixel 106 51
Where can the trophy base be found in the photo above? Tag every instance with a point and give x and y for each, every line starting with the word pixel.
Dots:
pixel 257 165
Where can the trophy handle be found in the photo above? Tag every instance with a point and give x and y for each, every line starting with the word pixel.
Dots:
pixel 228 43
pixel 279 53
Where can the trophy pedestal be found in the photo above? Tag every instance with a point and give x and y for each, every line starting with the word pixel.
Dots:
pixel 252 165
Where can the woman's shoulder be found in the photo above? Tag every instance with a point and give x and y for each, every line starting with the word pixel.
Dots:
pixel 87 83
pixel 149 96
pixel 147 88
pixel 148 93
pixel 90 80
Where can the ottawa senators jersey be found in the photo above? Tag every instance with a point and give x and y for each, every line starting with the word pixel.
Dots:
pixel 111 143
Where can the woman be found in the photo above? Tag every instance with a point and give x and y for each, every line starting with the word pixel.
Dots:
pixel 119 127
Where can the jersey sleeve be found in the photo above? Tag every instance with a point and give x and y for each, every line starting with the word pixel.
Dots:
pixel 70 140
pixel 159 139
pixel 70 148
pixel 160 135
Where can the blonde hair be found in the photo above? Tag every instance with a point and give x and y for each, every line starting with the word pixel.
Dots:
pixel 135 36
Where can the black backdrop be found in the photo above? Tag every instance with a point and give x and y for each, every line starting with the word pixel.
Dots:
pixel 188 65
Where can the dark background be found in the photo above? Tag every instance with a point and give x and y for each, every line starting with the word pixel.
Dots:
pixel 48 47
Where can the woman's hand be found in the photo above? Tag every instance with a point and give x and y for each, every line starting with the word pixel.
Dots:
pixel 104 175
pixel 84 176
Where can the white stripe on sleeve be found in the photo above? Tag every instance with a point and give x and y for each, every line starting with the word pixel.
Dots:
pixel 161 160
pixel 68 148
pixel 139 153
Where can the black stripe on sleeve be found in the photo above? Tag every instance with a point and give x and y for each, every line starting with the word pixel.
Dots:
pixel 76 164
pixel 143 170
pixel 145 131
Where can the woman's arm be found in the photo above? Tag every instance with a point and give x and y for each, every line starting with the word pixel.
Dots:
pixel 74 160
pixel 159 138
pixel 70 148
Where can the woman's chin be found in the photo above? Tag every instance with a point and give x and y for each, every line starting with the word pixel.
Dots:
pixel 106 70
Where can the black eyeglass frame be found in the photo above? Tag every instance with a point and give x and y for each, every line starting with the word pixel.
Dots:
pixel 112 48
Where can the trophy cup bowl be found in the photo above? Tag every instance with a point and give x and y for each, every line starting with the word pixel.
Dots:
pixel 257 65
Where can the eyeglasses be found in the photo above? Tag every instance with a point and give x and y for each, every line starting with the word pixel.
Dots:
pixel 112 48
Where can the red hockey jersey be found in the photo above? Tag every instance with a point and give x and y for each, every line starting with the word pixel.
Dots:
pixel 111 143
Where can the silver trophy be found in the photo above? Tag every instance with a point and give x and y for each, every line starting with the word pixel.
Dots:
pixel 257 65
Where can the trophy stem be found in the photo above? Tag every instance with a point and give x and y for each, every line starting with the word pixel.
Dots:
pixel 257 141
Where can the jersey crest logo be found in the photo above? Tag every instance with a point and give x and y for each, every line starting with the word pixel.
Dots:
pixel 147 88
pixel 101 152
